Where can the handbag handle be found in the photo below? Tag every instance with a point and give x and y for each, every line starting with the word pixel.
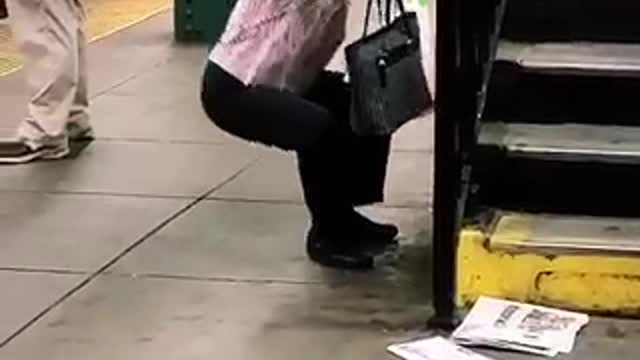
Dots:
pixel 367 18
pixel 403 11
pixel 387 15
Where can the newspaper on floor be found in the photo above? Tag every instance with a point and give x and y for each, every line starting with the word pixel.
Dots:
pixel 520 327
pixel 436 348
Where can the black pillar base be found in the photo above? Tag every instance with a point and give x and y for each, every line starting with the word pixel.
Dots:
pixel 443 323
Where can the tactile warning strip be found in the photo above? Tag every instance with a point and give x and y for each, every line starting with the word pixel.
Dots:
pixel 9 60
pixel 105 17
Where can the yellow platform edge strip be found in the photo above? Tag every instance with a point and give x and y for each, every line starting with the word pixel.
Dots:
pixel 133 22
pixel 600 283
pixel 10 63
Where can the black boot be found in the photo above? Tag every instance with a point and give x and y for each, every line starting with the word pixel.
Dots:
pixel 329 248
pixel 339 236
pixel 376 234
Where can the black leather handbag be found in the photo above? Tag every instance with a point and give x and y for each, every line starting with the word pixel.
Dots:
pixel 389 87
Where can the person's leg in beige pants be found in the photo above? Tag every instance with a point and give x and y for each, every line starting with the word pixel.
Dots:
pixel 51 38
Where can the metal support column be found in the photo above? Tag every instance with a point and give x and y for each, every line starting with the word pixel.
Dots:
pixel 447 161
pixel 466 41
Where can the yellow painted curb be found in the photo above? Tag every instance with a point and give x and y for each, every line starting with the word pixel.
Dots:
pixel 596 283
pixel 105 17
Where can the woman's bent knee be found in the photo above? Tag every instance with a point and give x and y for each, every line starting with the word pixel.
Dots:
pixel 217 94
pixel 219 118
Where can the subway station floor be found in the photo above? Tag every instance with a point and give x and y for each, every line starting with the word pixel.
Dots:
pixel 166 239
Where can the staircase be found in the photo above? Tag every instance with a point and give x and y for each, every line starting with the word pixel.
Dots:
pixel 554 214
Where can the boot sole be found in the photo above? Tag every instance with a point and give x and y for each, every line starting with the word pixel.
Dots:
pixel 342 261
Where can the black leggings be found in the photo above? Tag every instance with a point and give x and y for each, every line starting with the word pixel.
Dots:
pixel 337 168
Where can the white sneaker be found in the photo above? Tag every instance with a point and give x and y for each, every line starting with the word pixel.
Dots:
pixel 19 152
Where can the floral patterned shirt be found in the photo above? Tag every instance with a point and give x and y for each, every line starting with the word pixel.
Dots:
pixel 281 43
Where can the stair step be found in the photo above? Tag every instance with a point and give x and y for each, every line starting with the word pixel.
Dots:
pixel 572 20
pixel 576 262
pixel 583 58
pixel 575 84
pixel 566 234
pixel 571 142
pixel 560 168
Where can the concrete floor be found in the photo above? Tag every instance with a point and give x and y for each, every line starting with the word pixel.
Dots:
pixel 166 239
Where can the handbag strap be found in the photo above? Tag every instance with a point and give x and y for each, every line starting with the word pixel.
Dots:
pixel 399 4
pixel 386 15
pixel 387 12
pixel 403 12
pixel 382 15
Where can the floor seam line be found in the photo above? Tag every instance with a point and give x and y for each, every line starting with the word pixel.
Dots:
pixel 161 141
pixel 412 151
pixel 105 194
pixel 129 78
pixel 157 276
pixel 215 279
pixel 301 202
pixel 42 270
pixel 209 198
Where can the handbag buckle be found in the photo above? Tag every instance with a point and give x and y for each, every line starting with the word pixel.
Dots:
pixel 382 63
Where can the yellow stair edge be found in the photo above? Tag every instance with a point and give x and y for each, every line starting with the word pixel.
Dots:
pixel 515 259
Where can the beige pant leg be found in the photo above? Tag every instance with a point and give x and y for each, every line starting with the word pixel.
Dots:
pixel 48 33
pixel 80 107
